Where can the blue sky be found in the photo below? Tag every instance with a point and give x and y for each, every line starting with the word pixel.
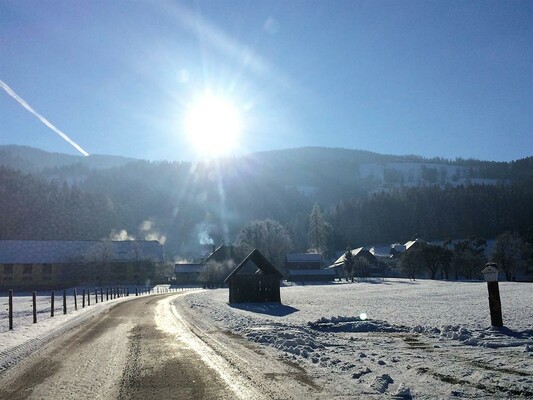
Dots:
pixel 432 78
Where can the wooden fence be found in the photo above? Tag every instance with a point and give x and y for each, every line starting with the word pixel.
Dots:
pixel 95 296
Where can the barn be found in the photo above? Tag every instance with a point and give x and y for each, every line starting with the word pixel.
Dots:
pixel 255 280
pixel 39 264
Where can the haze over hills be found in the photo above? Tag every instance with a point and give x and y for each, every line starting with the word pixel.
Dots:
pixel 30 159
pixel 368 198
pixel 303 166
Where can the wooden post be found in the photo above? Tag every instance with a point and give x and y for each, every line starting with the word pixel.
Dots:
pixel 34 301
pixel 10 307
pixel 107 294
pixel 96 295
pixel 495 304
pixel 83 299
pixel 490 273
pixel 101 295
pixel 64 301
pixel 52 303
pixel 75 299
pixel 136 292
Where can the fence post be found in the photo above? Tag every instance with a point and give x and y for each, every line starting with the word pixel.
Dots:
pixel 34 301
pixel 64 301
pixel 96 295
pixel 52 303
pixel 106 294
pixel 136 291
pixel 83 299
pixel 75 300
pixel 88 297
pixel 101 295
pixel 10 309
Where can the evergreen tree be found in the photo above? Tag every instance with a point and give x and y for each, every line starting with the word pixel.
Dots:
pixel 319 230
pixel 349 265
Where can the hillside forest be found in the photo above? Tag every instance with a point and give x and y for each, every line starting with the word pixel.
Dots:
pixel 361 198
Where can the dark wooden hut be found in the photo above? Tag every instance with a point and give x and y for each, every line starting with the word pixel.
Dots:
pixel 255 280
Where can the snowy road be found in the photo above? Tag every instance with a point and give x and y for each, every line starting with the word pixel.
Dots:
pixel 143 348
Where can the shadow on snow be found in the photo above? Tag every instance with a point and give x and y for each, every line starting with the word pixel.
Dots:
pixel 273 309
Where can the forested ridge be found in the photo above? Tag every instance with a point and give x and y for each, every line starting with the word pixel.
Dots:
pixel 189 206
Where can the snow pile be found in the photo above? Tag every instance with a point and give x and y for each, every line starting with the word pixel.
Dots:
pixel 396 338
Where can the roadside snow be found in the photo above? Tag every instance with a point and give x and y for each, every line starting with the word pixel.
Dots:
pixel 423 339
pixel 27 336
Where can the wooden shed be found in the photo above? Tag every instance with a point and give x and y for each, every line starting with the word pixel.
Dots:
pixel 255 280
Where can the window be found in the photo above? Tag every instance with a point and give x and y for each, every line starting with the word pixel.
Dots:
pixel 27 272
pixel 8 272
pixel 47 272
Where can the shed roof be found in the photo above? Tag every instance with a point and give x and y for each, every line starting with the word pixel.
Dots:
pixel 260 262
pixel 65 251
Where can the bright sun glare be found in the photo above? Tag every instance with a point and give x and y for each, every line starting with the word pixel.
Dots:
pixel 213 125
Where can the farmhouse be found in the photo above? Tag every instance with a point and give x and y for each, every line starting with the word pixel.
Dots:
pixel 255 280
pixel 35 264
pixel 188 273
pixel 223 253
pixel 307 267
pixel 202 271
pixel 358 254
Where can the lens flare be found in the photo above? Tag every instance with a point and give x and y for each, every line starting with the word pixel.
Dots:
pixel 363 316
pixel 213 125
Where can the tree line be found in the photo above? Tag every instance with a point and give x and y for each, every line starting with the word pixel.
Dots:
pixel 222 202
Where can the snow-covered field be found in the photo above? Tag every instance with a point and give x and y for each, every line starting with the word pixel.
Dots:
pixel 423 339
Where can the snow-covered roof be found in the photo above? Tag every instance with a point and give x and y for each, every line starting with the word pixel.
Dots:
pixel 410 243
pixel 354 252
pixel 380 251
pixel 64 251
pixel 304 257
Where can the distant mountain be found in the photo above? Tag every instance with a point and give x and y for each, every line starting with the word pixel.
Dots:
pixel 324 174
pixel 29 159
pixel 367 197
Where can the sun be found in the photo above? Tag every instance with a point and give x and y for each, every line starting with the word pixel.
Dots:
pixel 213 125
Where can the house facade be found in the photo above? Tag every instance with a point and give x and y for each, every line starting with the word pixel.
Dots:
pixel 306 267
pixel 188 273
pixel 39 264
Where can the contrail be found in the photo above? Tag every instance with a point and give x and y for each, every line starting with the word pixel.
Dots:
pixel 10 92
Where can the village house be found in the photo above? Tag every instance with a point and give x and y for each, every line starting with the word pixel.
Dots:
pixel 39 264
pixel 307 267
pixel 191 273
pixel 188 273
pixel 359 253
